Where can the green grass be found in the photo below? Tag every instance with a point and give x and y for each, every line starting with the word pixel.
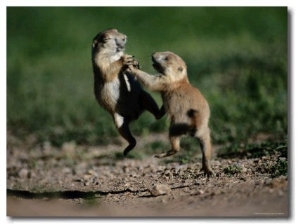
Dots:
pixel 232 169
pixel 236 56
pixel 253 150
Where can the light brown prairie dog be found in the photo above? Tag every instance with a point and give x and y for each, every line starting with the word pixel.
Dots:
pixel 115 89
pixel 184 104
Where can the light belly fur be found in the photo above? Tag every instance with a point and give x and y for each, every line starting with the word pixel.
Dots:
pixel 110 93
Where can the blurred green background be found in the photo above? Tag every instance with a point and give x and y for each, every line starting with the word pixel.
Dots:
pixel 236 56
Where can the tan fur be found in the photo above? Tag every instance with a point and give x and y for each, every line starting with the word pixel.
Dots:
pixel 184 104
pixel 115 89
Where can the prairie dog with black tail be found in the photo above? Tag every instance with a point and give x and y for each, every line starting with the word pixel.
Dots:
pixel 185 106
pixel 115 88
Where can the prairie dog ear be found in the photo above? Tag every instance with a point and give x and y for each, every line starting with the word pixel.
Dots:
pixel 95 43
pixel 180 69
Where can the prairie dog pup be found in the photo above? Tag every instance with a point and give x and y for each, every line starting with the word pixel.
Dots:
pixel 184 104
pixel 115 89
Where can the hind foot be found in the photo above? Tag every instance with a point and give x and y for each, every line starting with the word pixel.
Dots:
pixel 165 154
pixel 207 171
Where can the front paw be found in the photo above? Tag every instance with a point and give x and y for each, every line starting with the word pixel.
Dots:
pixel 128 59
pixel 136 64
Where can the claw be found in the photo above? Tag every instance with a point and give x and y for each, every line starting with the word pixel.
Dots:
pixel 207 172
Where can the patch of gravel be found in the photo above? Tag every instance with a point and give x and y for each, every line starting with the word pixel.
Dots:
pixel 90 172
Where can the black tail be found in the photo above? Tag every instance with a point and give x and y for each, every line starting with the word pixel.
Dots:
pixel 194 115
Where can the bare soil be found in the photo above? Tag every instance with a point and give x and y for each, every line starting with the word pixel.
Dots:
pixel 86 181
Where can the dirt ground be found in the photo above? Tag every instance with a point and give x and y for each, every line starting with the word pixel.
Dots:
pixel 83 181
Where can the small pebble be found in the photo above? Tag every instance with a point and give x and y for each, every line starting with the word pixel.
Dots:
pixel 24 173
pixel 160 189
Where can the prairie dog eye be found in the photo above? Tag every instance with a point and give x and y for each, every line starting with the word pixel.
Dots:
pixel 106 39
pixel 180 69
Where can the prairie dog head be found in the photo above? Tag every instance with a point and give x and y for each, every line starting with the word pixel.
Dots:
pixel 110 43
pixel 170 65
